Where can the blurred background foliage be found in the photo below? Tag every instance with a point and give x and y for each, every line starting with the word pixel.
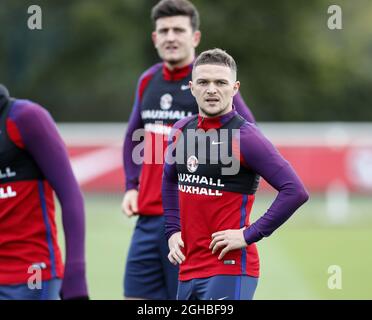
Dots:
pixel 84 64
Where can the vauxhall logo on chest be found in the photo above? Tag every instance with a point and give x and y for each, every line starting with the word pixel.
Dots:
pixel 204 182
pixel 7 192
pixel 165 111
pixel 7 173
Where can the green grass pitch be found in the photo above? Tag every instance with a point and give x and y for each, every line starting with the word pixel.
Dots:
pixel 294 260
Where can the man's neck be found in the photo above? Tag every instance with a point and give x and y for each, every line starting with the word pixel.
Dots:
pixel 227 110
pixel 215 122
pixel 179 65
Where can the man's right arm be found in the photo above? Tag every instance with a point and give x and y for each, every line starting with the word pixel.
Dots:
pixel 171 212
pixel 170 198
pixel 132 169
pixel 170 181
pixel 170 192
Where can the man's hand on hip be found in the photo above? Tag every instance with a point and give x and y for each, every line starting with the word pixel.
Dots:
pixel 228 240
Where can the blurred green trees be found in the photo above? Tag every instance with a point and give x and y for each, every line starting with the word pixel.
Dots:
pixel 84 64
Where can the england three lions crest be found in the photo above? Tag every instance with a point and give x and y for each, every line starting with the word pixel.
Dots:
pixel 192 164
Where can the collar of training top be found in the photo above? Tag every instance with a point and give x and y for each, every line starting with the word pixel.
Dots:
pixel 206 123
pixel 4 96
pixel 177 73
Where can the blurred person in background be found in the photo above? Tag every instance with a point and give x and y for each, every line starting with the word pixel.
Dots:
pixel 162 97
pixel 34 163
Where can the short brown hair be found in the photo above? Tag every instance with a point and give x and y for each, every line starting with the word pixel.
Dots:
pixel 216 56
pixel 170 8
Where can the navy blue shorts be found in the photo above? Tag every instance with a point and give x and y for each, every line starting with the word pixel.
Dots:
pixel 221 287
pixel 148 272
pixel 49 291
